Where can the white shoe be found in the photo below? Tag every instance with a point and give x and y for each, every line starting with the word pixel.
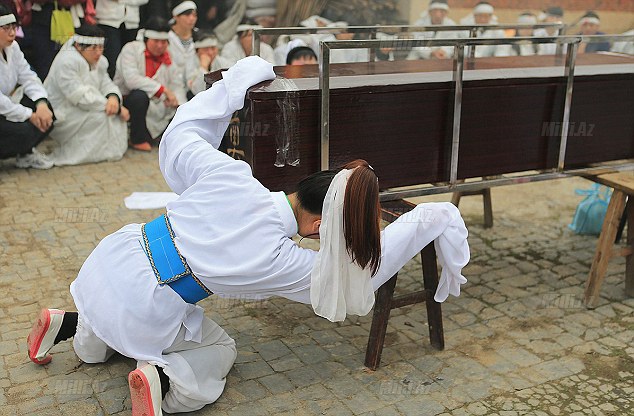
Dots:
pixel 35 160
pixel 145 391
pixel 42 336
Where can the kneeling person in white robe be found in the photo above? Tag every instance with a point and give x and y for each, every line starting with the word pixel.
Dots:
pixel 91 120
pixel 183 357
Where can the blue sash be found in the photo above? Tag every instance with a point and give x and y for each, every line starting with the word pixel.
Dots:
pixel 169 266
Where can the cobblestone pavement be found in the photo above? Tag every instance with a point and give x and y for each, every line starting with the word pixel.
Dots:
pixel 518 340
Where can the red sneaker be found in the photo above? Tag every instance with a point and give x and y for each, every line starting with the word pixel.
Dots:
pixel 42 336
pixel 145 391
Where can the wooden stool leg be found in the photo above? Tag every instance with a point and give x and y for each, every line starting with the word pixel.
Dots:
pixel 380 317
pixel 629 260
pixel 434 312
pixel 455 198
pixel 604 248
pixel 488 208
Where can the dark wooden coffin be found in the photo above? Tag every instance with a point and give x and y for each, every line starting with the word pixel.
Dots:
pixel 398 116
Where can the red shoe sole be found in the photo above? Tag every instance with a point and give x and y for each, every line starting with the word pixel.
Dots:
pixel 34 340
pixel 140 394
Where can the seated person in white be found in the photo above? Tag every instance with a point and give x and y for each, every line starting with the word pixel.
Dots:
pixel 151 85
pixel 436 15
pixel 241 46
pixel 524 49
pixel 181 40
pixel 483 14
pixel 553 14
pixel 25 115
pixel 206 60
pixel 626 47
pixel 91 120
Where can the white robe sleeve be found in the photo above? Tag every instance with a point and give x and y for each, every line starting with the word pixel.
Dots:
pixel 409 234
pixel 15 113
pixel 33 87
pixel 188 145
pixel 107 86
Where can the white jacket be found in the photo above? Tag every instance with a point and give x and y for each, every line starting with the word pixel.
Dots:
pixel 16 70
pixel 114 13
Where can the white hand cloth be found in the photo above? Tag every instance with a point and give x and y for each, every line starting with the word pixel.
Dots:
pixel 338 285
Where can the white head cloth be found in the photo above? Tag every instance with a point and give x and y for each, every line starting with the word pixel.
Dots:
pixel 483 9
pixel 338 286
pixel 529 19
pixel 7 19
pixel 340 24
pixel 206 42
pixel 153 34
pixel 244 27
pixel 438 5
pixel 88 40
pixel 295 43
pixel 183 7
pixel 590 19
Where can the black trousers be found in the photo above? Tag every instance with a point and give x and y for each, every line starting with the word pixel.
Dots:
pixel 116 37
pixel 137 102
pixel 18 138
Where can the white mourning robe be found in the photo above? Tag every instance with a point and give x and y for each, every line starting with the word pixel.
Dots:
pixel 130 75
pixel 83 131
pixel 234 233
pixel 14 71
pixel 425 53
pixel 232 52
pixel 197 82
pixel 486 51
pixel 184 57
pixel 624 47
pixel 545 48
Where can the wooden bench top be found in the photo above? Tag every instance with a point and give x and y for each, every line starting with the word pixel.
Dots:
pixel 623 181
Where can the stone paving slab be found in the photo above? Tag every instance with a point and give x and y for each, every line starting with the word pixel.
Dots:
pixel 517 341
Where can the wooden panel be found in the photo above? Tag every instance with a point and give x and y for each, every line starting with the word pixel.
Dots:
pixel 402 125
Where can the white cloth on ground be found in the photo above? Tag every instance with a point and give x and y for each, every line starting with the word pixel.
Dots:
pixel 84 133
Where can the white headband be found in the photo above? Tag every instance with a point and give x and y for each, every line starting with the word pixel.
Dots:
pixel 338 286
pixel 527 19
pixel 7 19
pixel 88 40
pixel 443 6
pixel 244 28
pixel 153 34
pixel 206 43
pixel 483 9
pixel 183 7
pixel 592 20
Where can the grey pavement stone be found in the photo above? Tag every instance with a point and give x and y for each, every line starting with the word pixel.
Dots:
pixel 518 341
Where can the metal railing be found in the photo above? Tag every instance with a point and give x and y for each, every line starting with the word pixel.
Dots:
pixel 571 43
pixel 392 30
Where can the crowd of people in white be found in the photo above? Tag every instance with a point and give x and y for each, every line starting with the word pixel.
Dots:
pixel 112 86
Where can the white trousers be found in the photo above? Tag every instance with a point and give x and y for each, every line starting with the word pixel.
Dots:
pixel 197 371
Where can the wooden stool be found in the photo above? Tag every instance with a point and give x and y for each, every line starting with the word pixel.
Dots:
pixel 385 300
pixel 623 185
pixel 486 200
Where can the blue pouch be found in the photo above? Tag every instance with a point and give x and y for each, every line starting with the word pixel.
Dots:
pixel 590 212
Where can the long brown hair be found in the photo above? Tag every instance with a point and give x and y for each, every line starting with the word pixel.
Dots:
pixel 361 212
pixel 362 215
